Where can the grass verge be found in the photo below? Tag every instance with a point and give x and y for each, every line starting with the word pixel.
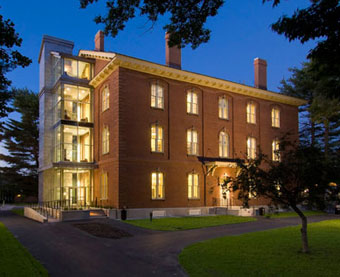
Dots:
pixel 294 214
pixel 267 253
pixel 184 223
pixel 18 211
pixel 15 260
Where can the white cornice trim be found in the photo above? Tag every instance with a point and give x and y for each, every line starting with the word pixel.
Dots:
pixel 118 60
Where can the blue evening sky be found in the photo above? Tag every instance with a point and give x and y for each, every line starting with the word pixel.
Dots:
pixel 240 32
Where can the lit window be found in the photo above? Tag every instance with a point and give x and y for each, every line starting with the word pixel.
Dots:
pixel 223 108
pixel 157 185
pixel 192 142
pixel 192 102
pixel 103 186
pixel 156 138
pixel 251 148
pixel 223 145
pixel 157 96
pixel 105 140
pixel 105 98
pixel 276 117
pixel 193 188
pixel 251 113
pixel 275 150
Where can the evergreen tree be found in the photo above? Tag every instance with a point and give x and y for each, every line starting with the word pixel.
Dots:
pixel 20 139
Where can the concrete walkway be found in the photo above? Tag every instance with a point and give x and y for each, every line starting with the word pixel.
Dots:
pixel 67 251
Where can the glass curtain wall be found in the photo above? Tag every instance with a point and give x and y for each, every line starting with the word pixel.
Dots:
pixel 73 144
pixel 73 103
pixel 72 187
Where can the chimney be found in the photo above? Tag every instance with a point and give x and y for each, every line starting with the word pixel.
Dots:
pixel 99 41
pixel 172 54
pixel 260 68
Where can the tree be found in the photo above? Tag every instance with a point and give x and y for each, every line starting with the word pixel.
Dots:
pixel 9 60
pixel 321 20
pixel 187 18
pixel 20 138
pixel 300 178
pixel 321 115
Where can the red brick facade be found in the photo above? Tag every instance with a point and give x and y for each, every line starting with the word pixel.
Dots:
pixel 130 161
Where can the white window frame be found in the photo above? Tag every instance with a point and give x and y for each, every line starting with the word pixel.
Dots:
pixel 158 185
pixel 105 140
pixel 192 102
pixel 276 147
pixel 223 107
pixel 276 117
pixel 251 147
pixel 193 186
pixel 105 98
pixel 104 185
pixel 223 143
pixel 157 96
pixel 156 139
pixel 251 113
pixel 192 142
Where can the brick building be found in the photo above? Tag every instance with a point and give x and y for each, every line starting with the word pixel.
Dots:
pixel 123 132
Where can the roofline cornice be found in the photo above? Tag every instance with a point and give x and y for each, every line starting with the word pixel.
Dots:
pixel 127 62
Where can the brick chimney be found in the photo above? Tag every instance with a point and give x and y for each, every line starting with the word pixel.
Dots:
pixel 172 54
pixel 99 41
pixel 260 69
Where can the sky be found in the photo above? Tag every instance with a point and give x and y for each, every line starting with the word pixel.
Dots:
pixel 239 33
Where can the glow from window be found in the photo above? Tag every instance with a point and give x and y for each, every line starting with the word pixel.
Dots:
pixel 105 140
pixel 105 99
pixel 157 96
pixel 192 142
pixel 275 150
pixel 223 145
pixel 193 186
pixel 223 108
pixel 276 117
pixel 104 186
pixel 251 148
pixel 156 138
pixel 192 102
pixel 251 113
pixel 157 185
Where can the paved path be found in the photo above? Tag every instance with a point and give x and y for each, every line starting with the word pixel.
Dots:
pixel 67 251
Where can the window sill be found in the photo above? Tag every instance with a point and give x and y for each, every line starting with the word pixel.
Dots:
pixel 105 110
pixel 192 155
pixel 158 199
pixel 156 108
pixel 194 198
pixel 225 119
pixel 195 114
pixel 156 152
pixel 276 128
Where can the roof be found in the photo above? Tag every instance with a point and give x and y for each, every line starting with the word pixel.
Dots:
pixel 118 60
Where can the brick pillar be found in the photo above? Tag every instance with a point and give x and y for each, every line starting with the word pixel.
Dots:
pixel 99 41
pixel 260 69
pixel 172 54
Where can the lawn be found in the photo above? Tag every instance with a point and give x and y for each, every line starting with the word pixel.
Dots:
pixel 294 214
pixel 18 211
pixel 15 260
pixel 267 253
pixel 184 223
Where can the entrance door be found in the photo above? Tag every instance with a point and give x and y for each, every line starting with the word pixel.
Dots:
pixel 224 197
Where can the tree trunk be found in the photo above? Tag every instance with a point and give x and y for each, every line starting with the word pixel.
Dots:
pixel 304 237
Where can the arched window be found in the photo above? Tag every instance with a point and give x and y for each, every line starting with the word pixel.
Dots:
pixel 105 98
pixel 223 108
pixel 223 145
pixel 275 150
pixel 251 112
pixel 276 117
pixel 192 102
pixel 192 142
pixel 251 148
pixel 157 185
pixel 156 138
pixel 105 140
pixel 193 186
pixel 157 96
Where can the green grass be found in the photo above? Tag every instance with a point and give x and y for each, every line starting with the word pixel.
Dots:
pixel 15 260
pixel 294 214
pixel 184 223
pixel 267 253
pixel 18 211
